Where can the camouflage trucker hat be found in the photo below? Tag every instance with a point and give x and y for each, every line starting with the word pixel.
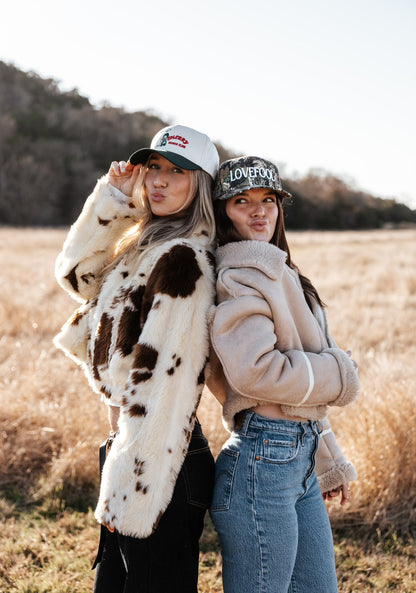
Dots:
pixel 245 173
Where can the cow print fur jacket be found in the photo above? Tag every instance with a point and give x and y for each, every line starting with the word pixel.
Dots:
pixel 141 337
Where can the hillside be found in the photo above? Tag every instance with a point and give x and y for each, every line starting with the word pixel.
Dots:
pixel 54 145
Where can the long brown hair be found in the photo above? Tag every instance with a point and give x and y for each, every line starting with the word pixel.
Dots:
pixel 227 233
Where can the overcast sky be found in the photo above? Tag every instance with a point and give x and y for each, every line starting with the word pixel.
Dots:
pixel 308 84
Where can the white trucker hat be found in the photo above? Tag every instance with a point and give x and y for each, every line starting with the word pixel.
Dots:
pixel 185 147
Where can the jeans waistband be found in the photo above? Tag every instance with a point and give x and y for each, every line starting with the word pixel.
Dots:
pixel 253 421
pixel 197 430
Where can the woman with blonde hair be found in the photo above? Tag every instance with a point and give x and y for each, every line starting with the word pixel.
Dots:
pixel 139 260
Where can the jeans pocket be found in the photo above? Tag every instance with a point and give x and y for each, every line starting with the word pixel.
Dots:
pixel 280 449
pixel 198 473
pixel 224 478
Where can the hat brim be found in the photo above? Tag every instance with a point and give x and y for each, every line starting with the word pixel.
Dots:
pixel 234 192
pixel 141 156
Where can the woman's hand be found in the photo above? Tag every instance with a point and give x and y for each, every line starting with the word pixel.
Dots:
pixel 123 176
pixel 344 490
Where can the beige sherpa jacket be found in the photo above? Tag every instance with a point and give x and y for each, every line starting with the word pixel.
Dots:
pixel 141 336
pixel 273 348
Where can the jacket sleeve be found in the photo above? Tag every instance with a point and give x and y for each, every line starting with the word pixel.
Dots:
pixel 106 216
pixel 243 335
pixel 332 469
pixel 161 395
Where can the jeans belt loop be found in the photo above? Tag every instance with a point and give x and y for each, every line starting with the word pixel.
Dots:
pixel 242 420
pixel 302 436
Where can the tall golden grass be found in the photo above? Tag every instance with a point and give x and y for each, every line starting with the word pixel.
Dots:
pixel 51 423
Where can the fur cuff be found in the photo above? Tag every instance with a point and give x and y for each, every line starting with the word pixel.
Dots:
pixel 340 474
pixel 349 378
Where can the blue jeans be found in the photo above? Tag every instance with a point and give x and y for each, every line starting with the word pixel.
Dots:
pixel 269 512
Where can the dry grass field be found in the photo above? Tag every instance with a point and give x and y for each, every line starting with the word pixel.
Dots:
pixel 51 423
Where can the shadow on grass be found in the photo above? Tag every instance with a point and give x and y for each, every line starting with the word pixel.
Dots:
pixel 370 538
pixel 209 541
pixel 22 497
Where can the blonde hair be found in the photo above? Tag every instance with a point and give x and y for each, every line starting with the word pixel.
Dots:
pixel 153 230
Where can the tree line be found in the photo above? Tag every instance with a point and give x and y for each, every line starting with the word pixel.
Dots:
pixel 54 145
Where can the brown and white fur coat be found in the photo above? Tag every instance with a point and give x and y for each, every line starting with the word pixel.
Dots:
pixel 141 336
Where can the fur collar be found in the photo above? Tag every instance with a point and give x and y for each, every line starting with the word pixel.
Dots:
pixel 252 254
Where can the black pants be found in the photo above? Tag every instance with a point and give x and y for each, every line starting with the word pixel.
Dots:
pixel 167 560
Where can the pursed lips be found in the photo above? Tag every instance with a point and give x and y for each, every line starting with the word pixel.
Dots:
pixel 157 197
pixel 258 224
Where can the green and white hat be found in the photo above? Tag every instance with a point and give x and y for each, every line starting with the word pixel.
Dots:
pixel 185 147
pixel 245 173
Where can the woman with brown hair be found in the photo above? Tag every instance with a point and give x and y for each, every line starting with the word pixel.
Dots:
pixel 281 371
